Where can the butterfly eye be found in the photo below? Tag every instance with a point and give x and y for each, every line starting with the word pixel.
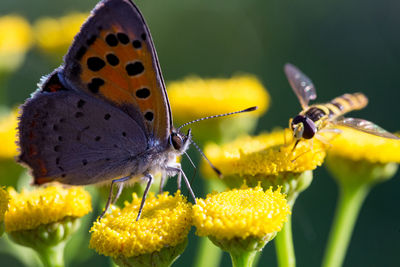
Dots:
pixel 177 141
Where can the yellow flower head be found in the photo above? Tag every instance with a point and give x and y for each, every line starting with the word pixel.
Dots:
pixel 56 35
pixel 194 97
pixel 165 222
pixel 45 205
pixel 244 212
pixel 4 199
pixel 8 133
pixel 15 39
pixel 264 155
pixel 357 145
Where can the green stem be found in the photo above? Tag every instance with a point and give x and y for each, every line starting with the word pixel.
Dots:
pixel 350 203
pixel 284 246
pixel 208 255
pixel 52 256
pixel 242 258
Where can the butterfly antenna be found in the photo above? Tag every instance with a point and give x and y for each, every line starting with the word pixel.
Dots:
pixel 218 172
pixel 217 116
pixel 194 167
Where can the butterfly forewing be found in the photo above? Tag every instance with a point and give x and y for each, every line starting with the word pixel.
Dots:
pixel 113 58
pixel 301 85
pixel 365 126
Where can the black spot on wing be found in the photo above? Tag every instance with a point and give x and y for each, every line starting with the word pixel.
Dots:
pixel 149 115
pixel 91 40
pixel 112 59
pixel 95 84
pixel 134 68
pixel 111 40
pixel 143 93
pixel 81 103
pixel 80 53
pixel 95 63
pixel 123 38
pixel 136 44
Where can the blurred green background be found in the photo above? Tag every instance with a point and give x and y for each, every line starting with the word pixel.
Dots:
pixel 343 46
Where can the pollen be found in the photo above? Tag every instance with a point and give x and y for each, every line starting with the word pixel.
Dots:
pixel 265 155
pixel 357 145
pixel 29 209
pixel 244 212
pixel 221 96
pixel 165 222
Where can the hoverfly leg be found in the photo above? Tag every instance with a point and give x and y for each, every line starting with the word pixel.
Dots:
pixel 326 140
pixel 334 131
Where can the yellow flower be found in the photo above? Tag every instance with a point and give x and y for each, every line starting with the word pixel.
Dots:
pixel 15 40
pixel 244 212
pixel 4 199
pixel 195 98
pixel 264 155
pixel 8 133
pixel 56 35
pixel 165 222
pixel 188 97
pixel 45 205
pixel 357 145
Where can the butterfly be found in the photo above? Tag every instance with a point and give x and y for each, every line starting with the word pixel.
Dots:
pixel 104 114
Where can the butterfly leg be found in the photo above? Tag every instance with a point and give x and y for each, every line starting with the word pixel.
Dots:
pixel 146 191
pixel 162 183
pixel 110 195
pixel 180 171
pixel 179 181
pixel 119 191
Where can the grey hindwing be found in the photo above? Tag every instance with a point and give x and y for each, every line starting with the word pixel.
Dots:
pixel 76 139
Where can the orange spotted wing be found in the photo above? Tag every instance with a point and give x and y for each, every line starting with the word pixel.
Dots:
pixel 113 58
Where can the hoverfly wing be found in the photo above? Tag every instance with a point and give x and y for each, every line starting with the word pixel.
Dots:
pixel 365 126
pixel 301 85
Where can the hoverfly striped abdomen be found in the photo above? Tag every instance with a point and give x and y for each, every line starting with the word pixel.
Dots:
pixel 346 103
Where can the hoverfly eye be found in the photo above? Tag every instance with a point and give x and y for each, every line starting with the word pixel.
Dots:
pixel 298 119
pixel 177 142
pixel 309 129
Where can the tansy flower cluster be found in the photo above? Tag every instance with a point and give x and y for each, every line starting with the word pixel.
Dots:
pixel 29 209
pixel 221 96
pixel 357 145
pixel 240 213
pixel 264 155
pixel 165 221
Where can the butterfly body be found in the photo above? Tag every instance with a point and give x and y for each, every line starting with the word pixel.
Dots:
pixel 314 118
pixel 104 114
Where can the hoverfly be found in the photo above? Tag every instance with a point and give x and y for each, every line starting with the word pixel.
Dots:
pixel 324 116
